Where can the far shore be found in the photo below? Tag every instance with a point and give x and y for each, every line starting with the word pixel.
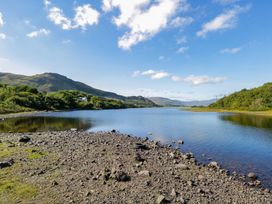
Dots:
pixel 206 109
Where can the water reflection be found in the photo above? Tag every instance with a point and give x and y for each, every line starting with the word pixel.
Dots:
pixel 248 120
pixel 34 124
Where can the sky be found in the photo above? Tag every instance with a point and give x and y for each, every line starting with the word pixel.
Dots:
pixel 179 49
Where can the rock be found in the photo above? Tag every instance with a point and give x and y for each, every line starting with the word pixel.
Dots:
pixel 172 155
pixel 150 133
pixel 182 167
pixel 188 156
pixel 55 183
pixel 122 177
pixel 113 131
pixel 140 146
pixel 180 142
pixel 252 176
pixel 173 193
pixel 161 200
pixel 139 158
pixel 73 129
pixel 213 165
pixel 24 139
pixel 6 164
pixel 144 173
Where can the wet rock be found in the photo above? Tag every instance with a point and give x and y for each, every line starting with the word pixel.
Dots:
pixel 144 173
pixel 252 176
pixel 188 156
pixel 24 139
pixel 6 164
pixel 113 131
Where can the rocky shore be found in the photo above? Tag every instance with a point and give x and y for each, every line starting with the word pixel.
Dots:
pixel 109 167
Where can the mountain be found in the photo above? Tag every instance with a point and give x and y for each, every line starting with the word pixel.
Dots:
pixel 169 102
pixel 51 82
pixel 256 99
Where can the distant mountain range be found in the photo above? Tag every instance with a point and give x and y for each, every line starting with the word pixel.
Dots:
pixel 51 82
pixel 169 102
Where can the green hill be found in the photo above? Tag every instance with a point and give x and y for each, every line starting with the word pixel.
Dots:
pixel 52 82
pixel 256 99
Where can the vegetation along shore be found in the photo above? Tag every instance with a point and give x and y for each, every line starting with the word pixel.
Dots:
pixel 109 167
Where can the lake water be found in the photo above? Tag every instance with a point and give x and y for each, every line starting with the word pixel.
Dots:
pixel 239 142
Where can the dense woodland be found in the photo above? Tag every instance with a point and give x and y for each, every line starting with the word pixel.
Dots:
pixel 257 99
pixel 15 99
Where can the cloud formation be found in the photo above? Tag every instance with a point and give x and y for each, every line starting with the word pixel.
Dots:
pixel 2 35
pixel 84 16
pixel 191 79
pixel 182 50
pixel 38 33
pixel 138 16
pixel 152 74
pixel 199 80
pixel 224 21
pixel 231 50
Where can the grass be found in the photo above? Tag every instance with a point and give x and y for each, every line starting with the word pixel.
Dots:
pixel 206 109
pixel 35 154
pixel 5 150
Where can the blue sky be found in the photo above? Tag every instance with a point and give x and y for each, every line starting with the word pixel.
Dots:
pixel 181 49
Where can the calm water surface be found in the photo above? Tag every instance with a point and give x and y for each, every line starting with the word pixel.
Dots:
pixel 239 142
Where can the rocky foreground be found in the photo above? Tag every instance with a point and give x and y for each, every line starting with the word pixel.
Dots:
pixel 81 167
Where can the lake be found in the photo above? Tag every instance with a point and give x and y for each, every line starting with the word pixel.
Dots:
pixel 239 142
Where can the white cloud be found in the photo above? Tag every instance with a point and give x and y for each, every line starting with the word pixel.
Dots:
pixel 181 21
pixel 38 33
pixel 57 17
pixel 84 16
pixel 66 41
pixel 47 3
pixel 199 80
pixel 1 20
pixel 3 59
pixel 182 50
pixel 3 36
pixel 226 20
pixel 143 18
pixel 225 2
pixel 151 73
pixel 231 50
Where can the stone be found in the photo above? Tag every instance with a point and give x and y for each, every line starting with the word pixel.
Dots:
pixel 73 129
pixel 173 193
pixel 139 158
pixel 24 139
pixel 180 142
pixel 161 200
pixel 182 167
pixel 144 173
pixel 213 165
pixel 122 177
pixel 6 164
pixel 252 176
pixel 140 146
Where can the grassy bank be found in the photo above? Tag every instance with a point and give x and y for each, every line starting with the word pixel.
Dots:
pixel 207 109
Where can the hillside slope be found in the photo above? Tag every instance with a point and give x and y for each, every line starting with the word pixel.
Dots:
pixel 256 99
pixel 51 82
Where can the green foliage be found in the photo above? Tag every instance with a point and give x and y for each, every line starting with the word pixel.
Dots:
pixel 257 99
pixel 23 98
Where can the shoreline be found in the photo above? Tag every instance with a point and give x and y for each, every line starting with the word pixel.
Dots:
pixel 77 166
pixel 257 113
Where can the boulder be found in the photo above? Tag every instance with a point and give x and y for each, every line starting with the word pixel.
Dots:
pixel 252 176
pixel 24 139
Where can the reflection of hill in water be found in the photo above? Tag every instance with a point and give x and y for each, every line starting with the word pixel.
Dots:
pixel 34 124
pixel 249 120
